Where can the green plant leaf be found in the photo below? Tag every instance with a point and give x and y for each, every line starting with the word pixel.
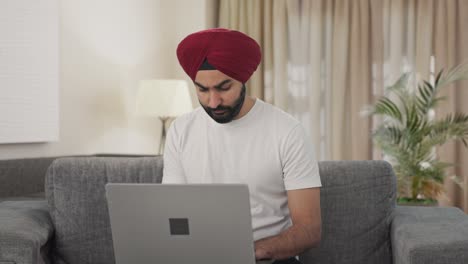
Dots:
pixel 437 79
pixel 386 107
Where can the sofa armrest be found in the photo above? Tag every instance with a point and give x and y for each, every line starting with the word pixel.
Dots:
pixel 25 231
pixel 429 235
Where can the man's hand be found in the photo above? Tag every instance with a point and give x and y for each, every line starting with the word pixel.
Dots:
pixel 261 252
pixel 305 232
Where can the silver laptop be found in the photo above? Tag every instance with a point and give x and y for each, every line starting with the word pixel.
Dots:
pixel 194 223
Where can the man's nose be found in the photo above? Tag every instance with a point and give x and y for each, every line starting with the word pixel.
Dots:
pixel 215 99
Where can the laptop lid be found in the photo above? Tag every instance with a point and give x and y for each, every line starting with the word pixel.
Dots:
pixel 174 223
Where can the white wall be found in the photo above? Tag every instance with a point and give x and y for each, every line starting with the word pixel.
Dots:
pixel 29 71
pixel 106 47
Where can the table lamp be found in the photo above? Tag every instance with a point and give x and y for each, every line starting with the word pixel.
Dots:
pixel 164 99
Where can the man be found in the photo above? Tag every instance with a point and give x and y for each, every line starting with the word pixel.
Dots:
pixel 234 138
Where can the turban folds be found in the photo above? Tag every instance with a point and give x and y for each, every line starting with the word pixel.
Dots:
pixel 230 52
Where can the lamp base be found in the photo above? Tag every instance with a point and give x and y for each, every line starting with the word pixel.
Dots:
pixel 162 141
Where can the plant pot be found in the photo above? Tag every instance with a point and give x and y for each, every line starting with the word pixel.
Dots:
pixel 416 202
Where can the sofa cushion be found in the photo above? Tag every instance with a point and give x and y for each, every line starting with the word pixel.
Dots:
pixel 433 235
pixel 357 202
pixel 75 190
pixel 25 229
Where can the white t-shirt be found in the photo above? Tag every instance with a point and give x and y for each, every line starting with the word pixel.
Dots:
pixel 266 149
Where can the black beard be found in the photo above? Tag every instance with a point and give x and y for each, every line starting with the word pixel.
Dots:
pixel 231 111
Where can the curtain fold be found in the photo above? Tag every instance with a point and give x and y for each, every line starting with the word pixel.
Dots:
pixel 316 48
pixel 278 75
pixel 462 97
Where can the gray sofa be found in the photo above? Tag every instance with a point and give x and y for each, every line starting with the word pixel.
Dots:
pixel 361 223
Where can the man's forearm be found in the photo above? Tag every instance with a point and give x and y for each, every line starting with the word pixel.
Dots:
pixel 291 242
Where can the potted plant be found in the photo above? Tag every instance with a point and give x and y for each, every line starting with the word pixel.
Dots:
pixel 409 133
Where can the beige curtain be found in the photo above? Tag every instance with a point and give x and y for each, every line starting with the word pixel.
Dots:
pixel 427 36
pixel 450 35
pixel 316 66
pixel 323 60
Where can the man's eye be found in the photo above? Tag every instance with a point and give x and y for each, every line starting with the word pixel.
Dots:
pixel 202 89
pixel 225 88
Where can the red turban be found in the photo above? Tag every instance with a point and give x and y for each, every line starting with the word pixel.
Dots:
pixel 230 52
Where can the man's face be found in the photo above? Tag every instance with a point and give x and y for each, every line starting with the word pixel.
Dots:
pixel 221 96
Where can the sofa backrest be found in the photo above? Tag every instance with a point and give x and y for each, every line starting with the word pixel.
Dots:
pixel 358 199
pixel 75 191
pixel 23 177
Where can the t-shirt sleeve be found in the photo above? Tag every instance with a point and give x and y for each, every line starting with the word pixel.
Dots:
pixel 300 167
pixel 173 171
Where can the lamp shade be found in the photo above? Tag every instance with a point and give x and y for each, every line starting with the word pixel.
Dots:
pixel 167 98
